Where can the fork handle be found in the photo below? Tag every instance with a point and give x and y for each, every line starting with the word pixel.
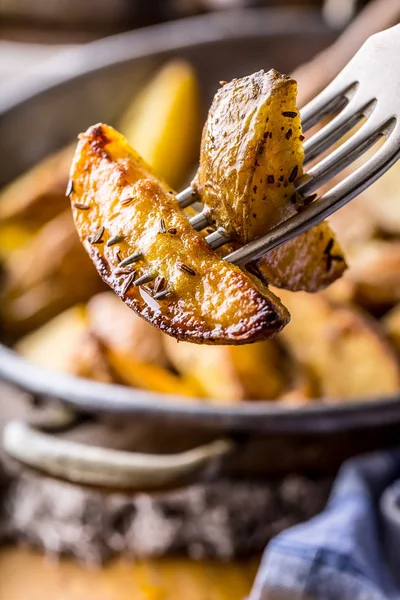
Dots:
pixel 315 75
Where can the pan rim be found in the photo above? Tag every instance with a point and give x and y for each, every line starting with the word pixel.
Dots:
pixel 91 396
pixel 87 395
pixel 81 60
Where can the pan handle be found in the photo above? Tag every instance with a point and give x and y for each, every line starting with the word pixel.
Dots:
pixel 93 465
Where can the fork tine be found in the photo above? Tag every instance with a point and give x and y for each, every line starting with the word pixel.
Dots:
pixel 326 103
pixel 216 239
pixel 327 204
pixel 199 221
pixel 341 158
pixel 337 128
pixel 187 197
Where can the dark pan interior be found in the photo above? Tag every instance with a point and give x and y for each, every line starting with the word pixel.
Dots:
pixel 93 83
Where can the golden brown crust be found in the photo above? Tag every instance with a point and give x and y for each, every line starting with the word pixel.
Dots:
pixel 211 300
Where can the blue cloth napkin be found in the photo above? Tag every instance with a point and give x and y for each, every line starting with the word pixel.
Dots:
pixel 338 555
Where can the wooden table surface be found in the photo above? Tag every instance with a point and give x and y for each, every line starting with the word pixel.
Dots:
pixel 27 575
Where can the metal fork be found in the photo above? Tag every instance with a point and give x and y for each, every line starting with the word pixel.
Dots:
pixel 368 87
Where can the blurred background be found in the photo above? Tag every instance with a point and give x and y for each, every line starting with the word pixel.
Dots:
pixel 66 21
pixel 53 313
pixel 43 24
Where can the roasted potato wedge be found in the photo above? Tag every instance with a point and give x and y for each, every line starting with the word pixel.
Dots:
pixel 152 377
pixel 124 214
pixel 251 155
pixel 373 279
pixel 38 195
pixel 310 262
pixel 46 276
pixel 65 344
pixel 120 329
pixel 231 373
pixel 163 123
pixel 343 348
pixel 302 388
pixel 134 349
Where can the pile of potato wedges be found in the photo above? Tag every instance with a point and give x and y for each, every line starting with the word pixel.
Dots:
pixel 343 340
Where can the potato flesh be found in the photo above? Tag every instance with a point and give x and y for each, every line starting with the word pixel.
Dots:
pixel 251 155
pixel 211 300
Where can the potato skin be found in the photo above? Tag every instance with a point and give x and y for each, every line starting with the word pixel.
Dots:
pixel 215 302
pixel 251 155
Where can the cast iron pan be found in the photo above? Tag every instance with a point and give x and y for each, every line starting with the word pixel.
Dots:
pixel 94 83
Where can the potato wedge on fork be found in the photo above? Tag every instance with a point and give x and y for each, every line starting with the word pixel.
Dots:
pixel 251 156
pixel 133 228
